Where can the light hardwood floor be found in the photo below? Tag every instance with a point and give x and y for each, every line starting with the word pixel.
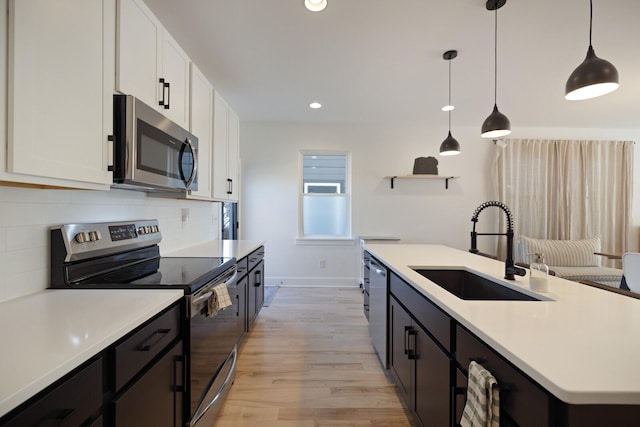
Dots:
pixel 308 362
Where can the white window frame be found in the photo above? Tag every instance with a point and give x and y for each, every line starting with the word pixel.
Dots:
pixel 324 239
pixel 323 184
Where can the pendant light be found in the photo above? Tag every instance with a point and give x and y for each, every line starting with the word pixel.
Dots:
pixel 497 124
pixel 449 147
pixel 594 77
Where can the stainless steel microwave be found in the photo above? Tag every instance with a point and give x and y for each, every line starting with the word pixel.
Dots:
pixel 150 152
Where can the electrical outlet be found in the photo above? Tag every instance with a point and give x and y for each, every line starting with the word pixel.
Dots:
pixel 322 264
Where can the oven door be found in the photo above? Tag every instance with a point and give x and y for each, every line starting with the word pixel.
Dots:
pixel 213 352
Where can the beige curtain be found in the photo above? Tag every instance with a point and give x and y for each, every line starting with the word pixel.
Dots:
pixel 561 189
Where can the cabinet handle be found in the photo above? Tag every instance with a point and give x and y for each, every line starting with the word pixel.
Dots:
pixel 163 85
pixel 406 339
pixel 58 418
pixel 229 186
pixel 179 381
pixel 258 281
pixel 168 86
pixel 179 374
pixel 412 354
pixel 153 339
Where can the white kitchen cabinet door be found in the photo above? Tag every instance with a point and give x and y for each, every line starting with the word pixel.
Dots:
pixel 150 64
pixel 60 90
pixel 233 155
pixel 220 142
pixel 139 52
pixel 175 71
pixel 202 127
pixel 226 151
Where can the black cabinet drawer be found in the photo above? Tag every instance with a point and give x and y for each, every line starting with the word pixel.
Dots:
pixel 255 257
pixel 75 401
pixel 242 267
pixel 132 354
pixel 434 320
pixel 521 399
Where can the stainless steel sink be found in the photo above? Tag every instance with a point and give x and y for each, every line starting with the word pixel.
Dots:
pixel 469 286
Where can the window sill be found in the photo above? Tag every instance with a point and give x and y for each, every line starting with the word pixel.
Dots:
pixel 325 241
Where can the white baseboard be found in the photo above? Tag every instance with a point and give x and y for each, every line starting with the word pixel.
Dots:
pixel 329 282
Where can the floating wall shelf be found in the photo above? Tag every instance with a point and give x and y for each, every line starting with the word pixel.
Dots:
pixel 423 176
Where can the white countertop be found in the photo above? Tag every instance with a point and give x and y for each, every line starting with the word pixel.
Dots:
pixel 46 335
pixel 583 346
pixel 217 248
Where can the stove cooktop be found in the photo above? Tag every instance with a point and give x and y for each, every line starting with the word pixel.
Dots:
pixel 188 274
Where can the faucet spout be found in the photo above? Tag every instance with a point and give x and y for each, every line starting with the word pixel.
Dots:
pixel 510 269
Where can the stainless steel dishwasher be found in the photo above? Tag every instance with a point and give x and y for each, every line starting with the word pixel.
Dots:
pixel 378 309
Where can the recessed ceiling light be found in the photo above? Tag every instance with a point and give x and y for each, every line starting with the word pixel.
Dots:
pixel 315 5
pixel 315 105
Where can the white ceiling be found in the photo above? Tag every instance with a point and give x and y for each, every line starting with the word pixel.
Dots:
pixel 377 61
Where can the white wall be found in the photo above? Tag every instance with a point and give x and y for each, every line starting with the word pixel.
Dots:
pixel 417 211
pixel 27 214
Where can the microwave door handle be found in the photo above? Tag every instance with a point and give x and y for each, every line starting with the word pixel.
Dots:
pixel 185 144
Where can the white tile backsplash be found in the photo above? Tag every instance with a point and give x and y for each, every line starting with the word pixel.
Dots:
pixel 26 216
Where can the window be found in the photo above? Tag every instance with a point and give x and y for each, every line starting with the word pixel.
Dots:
pixel 325 202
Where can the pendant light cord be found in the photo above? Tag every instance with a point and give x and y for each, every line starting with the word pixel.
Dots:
pixel 449 94
pixel 495 57
pixel 590 20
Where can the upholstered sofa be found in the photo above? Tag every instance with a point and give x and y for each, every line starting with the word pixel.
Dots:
pixel 570 259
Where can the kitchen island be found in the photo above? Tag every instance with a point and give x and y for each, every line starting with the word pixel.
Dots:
pixel 578 343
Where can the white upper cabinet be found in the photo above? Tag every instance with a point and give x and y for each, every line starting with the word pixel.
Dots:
pixel 202 127
pixel 60 85
pixel 226 149
pixel 150 64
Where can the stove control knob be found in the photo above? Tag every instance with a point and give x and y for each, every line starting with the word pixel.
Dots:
pixel 94 235
pixel 141 230
pixel 156 229
pixel 82 237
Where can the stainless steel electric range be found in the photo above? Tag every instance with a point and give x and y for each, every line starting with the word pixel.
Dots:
pixel 126 255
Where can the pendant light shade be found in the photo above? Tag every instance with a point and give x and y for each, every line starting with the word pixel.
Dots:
pixel 449 147
pixel 594 77
pixel 497 124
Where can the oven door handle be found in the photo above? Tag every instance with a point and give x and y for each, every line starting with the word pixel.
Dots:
pixel 201 298
pixel 206 292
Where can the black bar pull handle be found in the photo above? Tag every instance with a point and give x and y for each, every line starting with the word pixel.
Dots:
pixel 168 86
pixel 258 276
pixel 407 329
pixel 162 86
pixel 412 354
pixel 57 418
pixel 229 186
pixel 153 339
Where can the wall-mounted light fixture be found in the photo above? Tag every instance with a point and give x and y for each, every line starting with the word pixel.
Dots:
pixel 497 124
pixel 450 146
pixel 315 5
pixel 594 77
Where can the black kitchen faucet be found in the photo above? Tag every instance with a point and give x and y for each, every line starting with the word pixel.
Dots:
pixel 509 266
